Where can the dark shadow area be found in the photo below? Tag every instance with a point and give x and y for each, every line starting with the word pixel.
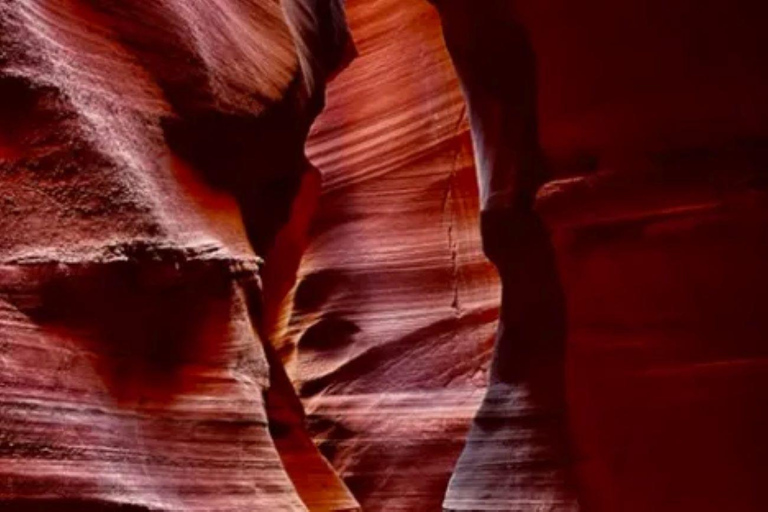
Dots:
pixel 67 505
pixel 19 101
pixel 144 319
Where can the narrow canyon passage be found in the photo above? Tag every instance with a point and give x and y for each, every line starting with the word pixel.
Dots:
pixel 225 286
pixel 657 219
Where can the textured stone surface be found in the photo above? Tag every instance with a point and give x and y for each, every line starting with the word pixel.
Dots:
pixel 149 151
pixel 151 156
pixel 395 310
pixel 653 121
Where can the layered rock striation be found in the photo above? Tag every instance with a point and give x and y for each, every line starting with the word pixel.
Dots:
pixel 652 123
pixel 209 303
pixel 149 154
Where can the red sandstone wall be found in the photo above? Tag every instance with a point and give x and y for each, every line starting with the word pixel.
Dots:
pixel 138 171
pixel 653 116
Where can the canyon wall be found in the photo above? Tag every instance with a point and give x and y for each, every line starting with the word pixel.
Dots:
pixel 394 313
pixel 197 315
pixel 149 153
pixel 653 119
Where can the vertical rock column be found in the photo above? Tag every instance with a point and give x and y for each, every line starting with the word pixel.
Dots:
pixel 516 454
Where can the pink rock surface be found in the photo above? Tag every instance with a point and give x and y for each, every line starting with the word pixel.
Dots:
pixel 191 312
pixel 149 152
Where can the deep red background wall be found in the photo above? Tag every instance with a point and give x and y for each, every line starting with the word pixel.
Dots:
pixel 654 117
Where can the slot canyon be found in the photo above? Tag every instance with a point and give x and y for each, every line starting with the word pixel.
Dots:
pixel 383 255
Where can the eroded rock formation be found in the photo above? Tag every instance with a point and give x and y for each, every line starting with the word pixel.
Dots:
pixel 653 125
pixel 149 154
pixel 179 284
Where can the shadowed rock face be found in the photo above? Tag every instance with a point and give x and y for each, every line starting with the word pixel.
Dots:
pixel 652 122
pixel 161 335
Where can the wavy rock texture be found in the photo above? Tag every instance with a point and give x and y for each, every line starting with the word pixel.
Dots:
pixel 156 202
pixel 395 311
pixel 149 151
pixel 654 124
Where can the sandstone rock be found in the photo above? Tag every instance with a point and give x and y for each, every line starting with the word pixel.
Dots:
pixel 188 305
pixel 652 121
pixel 149 153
